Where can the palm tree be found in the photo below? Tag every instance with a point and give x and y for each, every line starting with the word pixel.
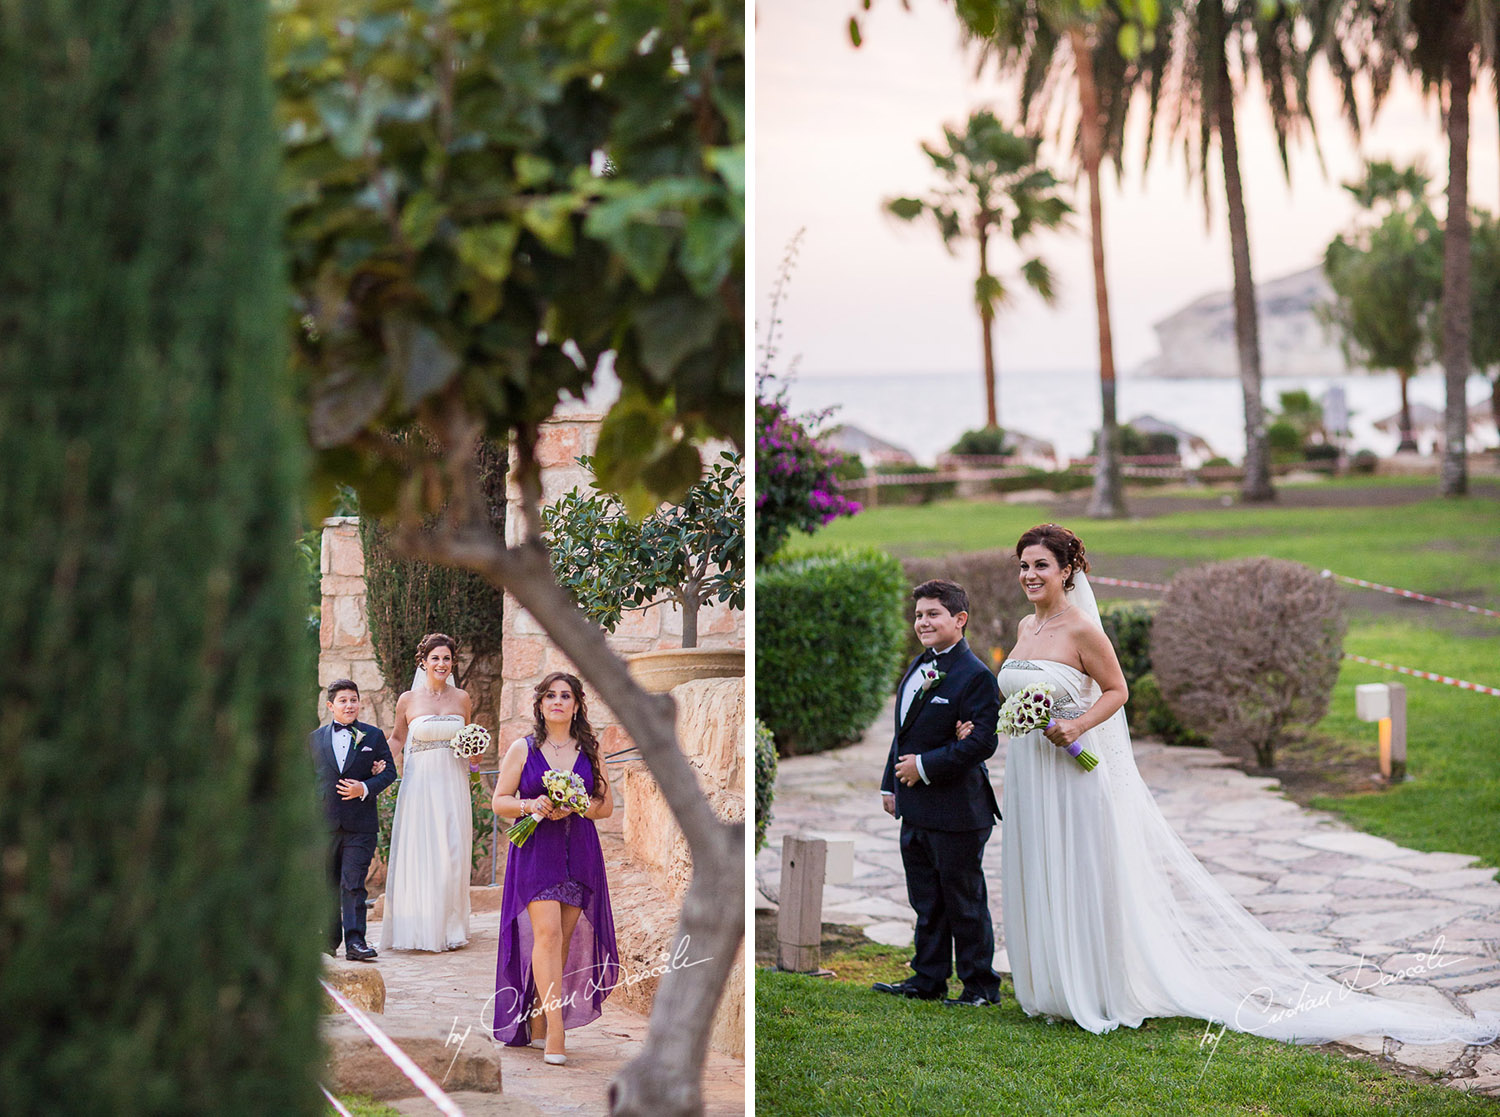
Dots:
pixel 1027 37
pixel 991 187
pixel 1199 91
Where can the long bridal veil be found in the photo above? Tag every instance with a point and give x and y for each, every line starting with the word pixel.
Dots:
pixel 1191 949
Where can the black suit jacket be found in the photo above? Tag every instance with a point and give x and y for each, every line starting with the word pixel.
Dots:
pixel 959 796
pixel 356 815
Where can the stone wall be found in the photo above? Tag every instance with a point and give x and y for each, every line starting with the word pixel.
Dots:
pixel 345 650
pixel 711 732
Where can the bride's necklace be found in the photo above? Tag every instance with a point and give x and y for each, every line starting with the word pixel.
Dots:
pixel 1043 624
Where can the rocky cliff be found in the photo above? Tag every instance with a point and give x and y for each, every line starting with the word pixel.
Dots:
pixel 1198 340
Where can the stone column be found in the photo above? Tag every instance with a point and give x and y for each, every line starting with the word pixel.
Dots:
pixel 344 647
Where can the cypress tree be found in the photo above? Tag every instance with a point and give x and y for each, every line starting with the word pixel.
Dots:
pixel 160 897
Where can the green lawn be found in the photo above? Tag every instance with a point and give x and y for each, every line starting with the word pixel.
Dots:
pixel 835 1047
pixel 1452 800
pixel 1443 547
pixel 1435 545
pixel 361 1105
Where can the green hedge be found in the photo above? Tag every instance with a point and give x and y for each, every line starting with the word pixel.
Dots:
pixel 828 642
pixel 162 859
pixel 915 493
pixel 1128 625
pixel 765 781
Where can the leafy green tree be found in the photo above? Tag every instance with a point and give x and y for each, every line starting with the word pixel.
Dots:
pixel 1484 336
pixel 1386 276
pixel 692 552
pixel 161 893
pixel 991 187
pixel 1440 43
pixel 488 201
pixel 481 210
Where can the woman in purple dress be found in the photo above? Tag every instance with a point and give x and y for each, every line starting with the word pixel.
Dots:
pixel 558 959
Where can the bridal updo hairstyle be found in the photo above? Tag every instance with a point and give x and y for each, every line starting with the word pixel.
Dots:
pixel 436 640
pixel 581 730
pixel 1066 547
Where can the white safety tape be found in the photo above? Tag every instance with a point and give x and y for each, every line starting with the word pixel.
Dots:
pixel 403 1061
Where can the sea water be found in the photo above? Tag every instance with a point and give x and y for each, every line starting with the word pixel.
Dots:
pixel 925 412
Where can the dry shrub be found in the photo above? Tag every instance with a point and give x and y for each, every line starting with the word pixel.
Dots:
pixel 1244 649
pixel 996 603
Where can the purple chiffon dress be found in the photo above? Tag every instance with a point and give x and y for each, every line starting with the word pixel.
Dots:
pixel 562 861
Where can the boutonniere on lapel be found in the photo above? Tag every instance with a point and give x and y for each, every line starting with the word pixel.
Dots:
pixel 358 734
pixel 930 676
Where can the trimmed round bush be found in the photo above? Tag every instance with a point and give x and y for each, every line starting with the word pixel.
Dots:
pixel 1244 649
pixel 984 442
pixel 828 645
pixel 765 781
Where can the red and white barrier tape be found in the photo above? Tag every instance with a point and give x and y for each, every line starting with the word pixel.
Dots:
pixel 338 1106
pixel 403 1061
pixel 1413 594
pixel 1462 684
pixel 1103 581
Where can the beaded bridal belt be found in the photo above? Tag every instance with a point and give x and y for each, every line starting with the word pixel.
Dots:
pixel 423 746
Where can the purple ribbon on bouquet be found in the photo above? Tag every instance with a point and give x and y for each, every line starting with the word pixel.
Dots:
pixel 1075 750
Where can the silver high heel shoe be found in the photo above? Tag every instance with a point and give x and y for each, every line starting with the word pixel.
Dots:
pixel 555 1060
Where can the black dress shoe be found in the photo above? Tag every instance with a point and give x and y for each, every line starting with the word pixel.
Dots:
pixel 972 999
pixel 359 952
pixel 907 988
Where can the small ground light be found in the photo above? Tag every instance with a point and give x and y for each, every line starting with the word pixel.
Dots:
pixel 1385 703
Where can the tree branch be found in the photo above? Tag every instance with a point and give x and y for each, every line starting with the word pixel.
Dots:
pixel 526 572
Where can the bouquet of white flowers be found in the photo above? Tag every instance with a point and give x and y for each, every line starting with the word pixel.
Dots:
pixel 469 741
pixel 1031 708
pixel 563 788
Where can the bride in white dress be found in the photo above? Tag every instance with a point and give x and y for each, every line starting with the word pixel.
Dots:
pixel 432 836
pixel 1108 918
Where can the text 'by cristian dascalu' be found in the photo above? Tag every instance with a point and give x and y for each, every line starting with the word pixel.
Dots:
pixel 1256 1005
pixel 508 999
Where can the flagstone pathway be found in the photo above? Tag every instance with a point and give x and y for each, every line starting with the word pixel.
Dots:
pixel 1336 896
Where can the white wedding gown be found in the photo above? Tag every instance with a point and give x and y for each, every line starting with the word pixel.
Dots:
pixel 432 837
pixel 1109 919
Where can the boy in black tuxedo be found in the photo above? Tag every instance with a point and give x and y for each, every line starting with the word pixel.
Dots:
pixel 937 785
pixel 353 765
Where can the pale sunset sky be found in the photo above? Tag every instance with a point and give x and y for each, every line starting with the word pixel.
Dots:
pixel 838 129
